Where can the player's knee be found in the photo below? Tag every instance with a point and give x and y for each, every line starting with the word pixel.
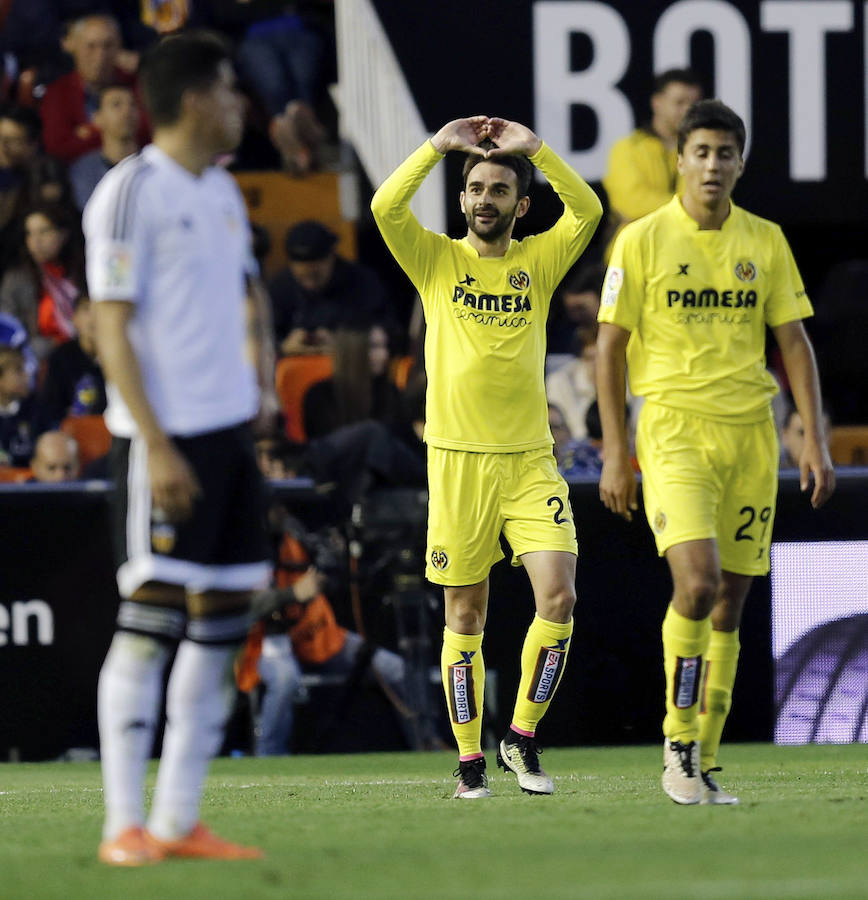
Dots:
pixel 558 605
pixel 696 593
pixel 465 619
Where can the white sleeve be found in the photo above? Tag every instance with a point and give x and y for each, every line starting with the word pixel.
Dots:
pixel 116 232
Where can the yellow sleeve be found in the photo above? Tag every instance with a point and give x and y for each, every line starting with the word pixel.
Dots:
pixel 788 300
pixel 409 242
pixel 624 287
pixel 638 179
pixel 568 237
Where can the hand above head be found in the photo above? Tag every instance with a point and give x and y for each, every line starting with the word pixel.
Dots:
pixel 462 135
pixel 512 139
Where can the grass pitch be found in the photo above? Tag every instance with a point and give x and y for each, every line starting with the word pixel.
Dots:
pixel 384 826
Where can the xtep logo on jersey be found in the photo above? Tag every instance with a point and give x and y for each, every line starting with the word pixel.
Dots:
pixel 462 696
pixel 547 674
pixel 467 279
pixel 682 268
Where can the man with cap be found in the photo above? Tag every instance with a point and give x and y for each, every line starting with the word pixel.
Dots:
pixel 320 292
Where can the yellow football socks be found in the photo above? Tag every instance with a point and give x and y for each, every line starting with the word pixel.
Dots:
pixel 685 645
pixel 543 657
pixel 463 671
pixel 721 664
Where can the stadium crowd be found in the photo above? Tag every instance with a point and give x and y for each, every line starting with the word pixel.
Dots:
pixel 71 110
pixel 350 375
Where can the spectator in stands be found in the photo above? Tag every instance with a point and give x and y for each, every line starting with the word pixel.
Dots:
pixel 583 458
pixel 55 458
pixel 41 290
pixel 320 292
pixel 282 62
pixel 48 182
pixel 573 386
pixel 20 133
pixel 17 408
pixel 117 117
pixel 574 309
pixel 73 384
pixel 642 173
pixel 70 102
pixel 360 389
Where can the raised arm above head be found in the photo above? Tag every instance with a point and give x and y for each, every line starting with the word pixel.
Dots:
pixel 463 135
pixel 512 138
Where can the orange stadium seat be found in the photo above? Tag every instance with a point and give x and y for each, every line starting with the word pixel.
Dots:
pixel 14 474
pixel 848 445
pixel 294 375
pixel 399 370
pixel 91 434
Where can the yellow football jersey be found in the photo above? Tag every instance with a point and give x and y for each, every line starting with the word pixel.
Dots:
pixel 485 341
pixel 697 304
pixel 641 175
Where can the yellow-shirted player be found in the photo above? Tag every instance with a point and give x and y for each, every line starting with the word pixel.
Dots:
pixel 688 295
pixel 490 464
pixel 642 169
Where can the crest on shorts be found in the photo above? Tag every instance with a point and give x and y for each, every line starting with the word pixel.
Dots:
pixel 439 558
pixel 519 279
pixel 659 521
pixel 745 270
pixel 162 537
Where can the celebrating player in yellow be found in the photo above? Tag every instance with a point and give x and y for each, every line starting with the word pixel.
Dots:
pixel 490 464
pixel 687 297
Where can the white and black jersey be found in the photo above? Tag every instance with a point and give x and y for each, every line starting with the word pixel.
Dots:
pixel 178 247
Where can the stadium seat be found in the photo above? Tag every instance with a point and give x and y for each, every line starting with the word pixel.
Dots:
pixel 276 201
pixel 848 445
pixel 399 370
pixel 91 434
pixel 14 474
pixel 294 375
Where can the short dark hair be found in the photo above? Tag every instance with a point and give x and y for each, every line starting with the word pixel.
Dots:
pixel 26 117
pixel 178 63
pixel 675 76
pixel 521 165
pixel 714 115
pixel 113 86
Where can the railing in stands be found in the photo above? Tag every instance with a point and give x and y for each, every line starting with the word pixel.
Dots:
pixel 378 115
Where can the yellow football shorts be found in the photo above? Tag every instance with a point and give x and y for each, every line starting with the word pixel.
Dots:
pixel 474 497
pixel 706 479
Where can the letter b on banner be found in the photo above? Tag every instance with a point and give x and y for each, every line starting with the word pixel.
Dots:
pixel 557 89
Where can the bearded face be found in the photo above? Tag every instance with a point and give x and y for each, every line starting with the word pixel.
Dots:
pixel 490 200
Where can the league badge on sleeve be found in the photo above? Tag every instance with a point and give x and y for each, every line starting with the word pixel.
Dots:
pixel 614 280
pixel 116 269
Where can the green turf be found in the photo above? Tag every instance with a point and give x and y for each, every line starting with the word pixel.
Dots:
pixel 383 825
